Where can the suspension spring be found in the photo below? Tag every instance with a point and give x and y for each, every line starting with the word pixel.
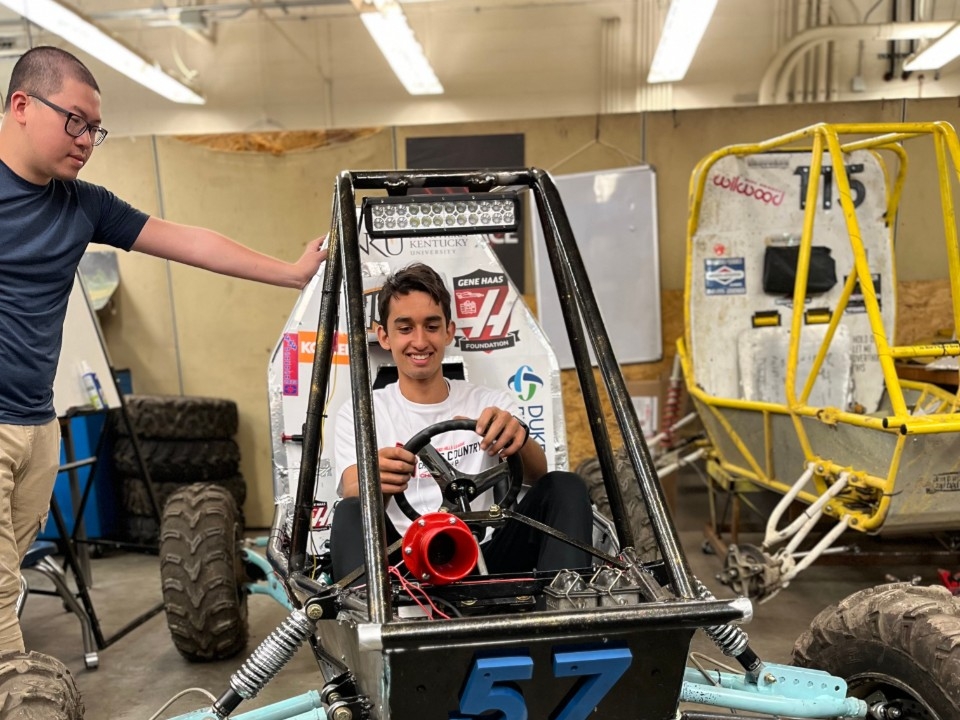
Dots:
pixel 271 655
pixel 731 639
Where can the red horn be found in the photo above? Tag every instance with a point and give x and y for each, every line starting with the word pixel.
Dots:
pixel 439 548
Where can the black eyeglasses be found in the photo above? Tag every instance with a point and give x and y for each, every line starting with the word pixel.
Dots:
pixel 75 126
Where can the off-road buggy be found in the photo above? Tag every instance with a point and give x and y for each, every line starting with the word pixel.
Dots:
pixel 609 640
pixel 789 349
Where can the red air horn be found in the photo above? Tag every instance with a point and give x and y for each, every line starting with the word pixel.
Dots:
pixel 439 548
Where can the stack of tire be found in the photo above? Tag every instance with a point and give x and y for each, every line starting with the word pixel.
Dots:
pixel 183 440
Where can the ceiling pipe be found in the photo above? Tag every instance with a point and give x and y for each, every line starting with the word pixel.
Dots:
pixel 787 56
pixel 822 56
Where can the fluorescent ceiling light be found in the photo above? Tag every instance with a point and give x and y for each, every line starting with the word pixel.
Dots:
pixel 686 22
pixel 937 54
pixel 62 20
pixel 389 29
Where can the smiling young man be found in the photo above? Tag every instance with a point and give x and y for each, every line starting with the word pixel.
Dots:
pixel 50 127
pixel 416 327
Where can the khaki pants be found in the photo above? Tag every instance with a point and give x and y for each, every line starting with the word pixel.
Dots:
pixel 29 458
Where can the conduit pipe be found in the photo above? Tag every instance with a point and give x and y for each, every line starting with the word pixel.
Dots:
pixel 788 55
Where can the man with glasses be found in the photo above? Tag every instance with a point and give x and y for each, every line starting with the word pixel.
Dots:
pixel 51 124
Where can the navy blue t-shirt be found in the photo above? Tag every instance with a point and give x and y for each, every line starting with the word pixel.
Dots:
pixel 44 230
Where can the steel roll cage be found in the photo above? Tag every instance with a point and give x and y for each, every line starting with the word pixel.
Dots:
pixel 578 305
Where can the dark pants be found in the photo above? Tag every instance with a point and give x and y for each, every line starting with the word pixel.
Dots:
pixel 558 499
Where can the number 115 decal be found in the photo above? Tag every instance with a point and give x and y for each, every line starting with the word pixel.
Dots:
pixel 857 188
pixel 490 684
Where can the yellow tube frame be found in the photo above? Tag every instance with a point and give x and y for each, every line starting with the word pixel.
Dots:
pixel 818 139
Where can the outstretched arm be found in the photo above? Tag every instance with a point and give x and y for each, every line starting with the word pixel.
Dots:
pixel 209 250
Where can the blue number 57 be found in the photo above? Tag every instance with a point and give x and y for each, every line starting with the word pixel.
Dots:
pixel 489 686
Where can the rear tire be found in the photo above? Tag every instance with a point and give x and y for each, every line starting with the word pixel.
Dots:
pixel 897 643
pixel 636 507
pixel 201 568
pixel 34 686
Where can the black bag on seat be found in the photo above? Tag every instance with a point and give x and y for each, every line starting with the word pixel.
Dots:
pixel 780 269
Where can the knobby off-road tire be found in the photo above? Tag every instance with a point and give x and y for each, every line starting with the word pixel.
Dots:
pixel 134 499
pixel 175 417
pixel 893 642
pixel 34 686
pixel 636 508
pixel 180 461
pixel 201 569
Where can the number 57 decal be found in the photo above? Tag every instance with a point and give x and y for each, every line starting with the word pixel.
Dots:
pixel 489 686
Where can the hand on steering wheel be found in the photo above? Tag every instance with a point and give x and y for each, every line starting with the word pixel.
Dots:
pixel 460 488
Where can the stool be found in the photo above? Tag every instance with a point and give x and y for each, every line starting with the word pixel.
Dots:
pixel 38 559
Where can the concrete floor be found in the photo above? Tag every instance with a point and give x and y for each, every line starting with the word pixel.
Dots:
pixel 142 670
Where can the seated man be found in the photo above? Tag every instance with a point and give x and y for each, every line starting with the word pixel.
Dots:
pixel 416 327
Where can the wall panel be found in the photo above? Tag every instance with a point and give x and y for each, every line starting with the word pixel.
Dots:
pixel 226 328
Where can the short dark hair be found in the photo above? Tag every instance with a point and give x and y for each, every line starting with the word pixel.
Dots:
pixel 41 70
pixel 413 278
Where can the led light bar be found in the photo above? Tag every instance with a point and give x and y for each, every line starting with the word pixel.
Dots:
pixel 441 214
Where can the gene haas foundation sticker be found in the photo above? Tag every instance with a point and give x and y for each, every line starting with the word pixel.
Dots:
pixel 483 313
pixel 725 276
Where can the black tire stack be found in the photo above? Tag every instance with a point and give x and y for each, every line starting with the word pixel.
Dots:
pixel 183 440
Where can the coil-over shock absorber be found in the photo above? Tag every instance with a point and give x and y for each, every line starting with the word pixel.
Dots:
pixel 265 662
pixel 732 640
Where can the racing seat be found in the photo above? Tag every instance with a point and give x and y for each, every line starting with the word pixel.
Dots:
pixel 38 559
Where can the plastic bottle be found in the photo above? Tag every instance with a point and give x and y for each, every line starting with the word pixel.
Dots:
pixel 91 386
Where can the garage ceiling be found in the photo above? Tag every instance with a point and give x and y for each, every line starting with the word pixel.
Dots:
pixel 272 65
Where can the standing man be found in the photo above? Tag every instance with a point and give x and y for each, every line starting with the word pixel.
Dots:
pixel 416 327
pixel 50 126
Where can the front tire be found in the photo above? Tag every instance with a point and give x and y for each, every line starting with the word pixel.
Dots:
pixel 201 567
pixel 895 643
pixel 34 686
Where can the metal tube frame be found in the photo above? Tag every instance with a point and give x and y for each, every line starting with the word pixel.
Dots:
pixel 578 305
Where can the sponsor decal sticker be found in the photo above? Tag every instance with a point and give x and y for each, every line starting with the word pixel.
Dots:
pixel 525 383
pixel 380 247
pixel 320 516
pixel 307 347
pixel 436 245
pixel 394 247
pixel 944 482
pixel 291 367
pixel 749 188
pixel 779 162
pixel 856 305
pixel 725 276
pixel 483 314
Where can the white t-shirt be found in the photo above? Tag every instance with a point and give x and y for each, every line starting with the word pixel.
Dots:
pixel 398 420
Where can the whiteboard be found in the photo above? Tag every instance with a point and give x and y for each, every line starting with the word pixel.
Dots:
pixel 613 214
pixel 82 342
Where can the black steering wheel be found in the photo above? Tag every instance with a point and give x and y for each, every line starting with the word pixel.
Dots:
pixel 460 488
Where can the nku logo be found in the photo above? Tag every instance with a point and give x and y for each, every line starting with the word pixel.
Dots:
pixel 524 382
